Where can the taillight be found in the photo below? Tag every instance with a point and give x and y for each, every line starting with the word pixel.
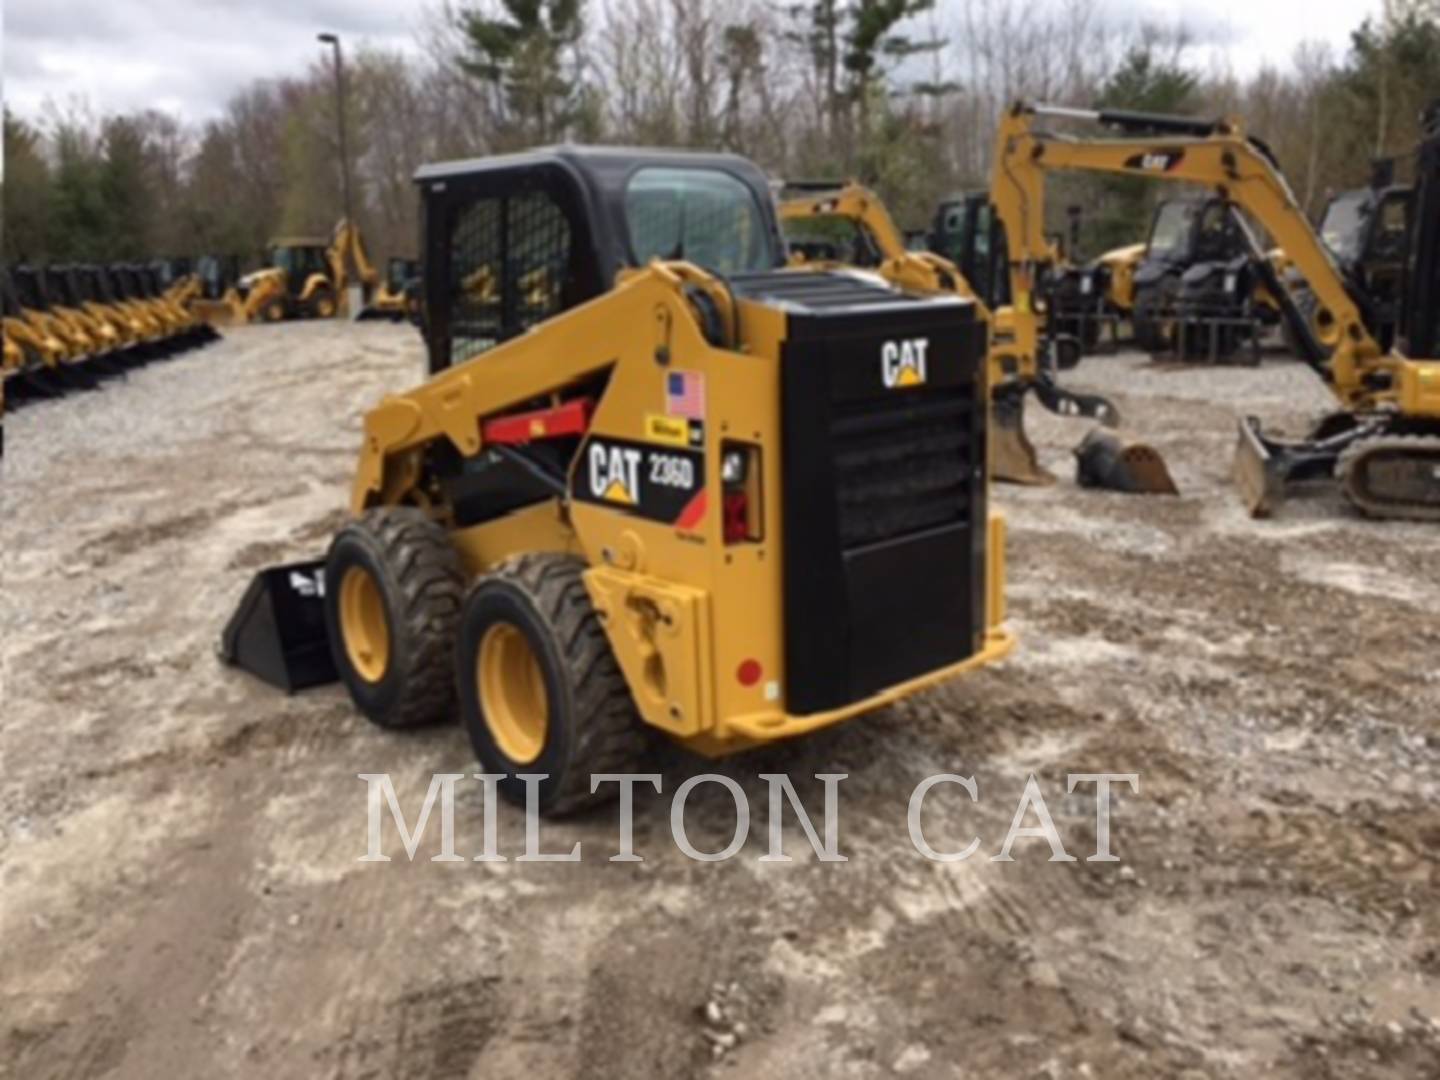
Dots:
pixel 740 480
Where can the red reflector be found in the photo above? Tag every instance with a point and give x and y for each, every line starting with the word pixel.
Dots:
pixel 737 517
pixel 749 673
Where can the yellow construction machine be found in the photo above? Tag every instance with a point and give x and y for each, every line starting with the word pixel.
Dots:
pixel 51 357
pixel 304 278
pixel 849 226
pixel 680 489
pixel 1383 446
pixel 392 299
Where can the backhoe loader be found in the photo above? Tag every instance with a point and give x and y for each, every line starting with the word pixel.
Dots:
pixel 1383 446
pixel 849 226
pixel 390 299
pixel 307 278
pixel 698 492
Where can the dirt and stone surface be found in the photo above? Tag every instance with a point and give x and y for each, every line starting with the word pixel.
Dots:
pixel 182 894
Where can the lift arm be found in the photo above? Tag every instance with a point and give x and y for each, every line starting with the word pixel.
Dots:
pixel 920 270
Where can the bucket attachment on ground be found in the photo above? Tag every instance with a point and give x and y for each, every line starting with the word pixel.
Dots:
pixel 278 632
pixel 1103 461
pixel 1012 454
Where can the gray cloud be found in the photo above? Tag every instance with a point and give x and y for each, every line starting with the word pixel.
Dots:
pixel 183 56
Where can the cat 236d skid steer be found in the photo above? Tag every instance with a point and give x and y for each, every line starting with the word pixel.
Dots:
pixel 657 481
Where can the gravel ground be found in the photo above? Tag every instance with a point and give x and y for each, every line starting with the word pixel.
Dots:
pixel 181 890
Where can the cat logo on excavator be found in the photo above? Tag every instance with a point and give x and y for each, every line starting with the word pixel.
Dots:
pixel 902 363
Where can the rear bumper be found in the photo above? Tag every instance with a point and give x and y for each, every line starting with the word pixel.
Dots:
pixel 739 732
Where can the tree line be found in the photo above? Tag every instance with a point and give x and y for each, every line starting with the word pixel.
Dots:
pixel 902 94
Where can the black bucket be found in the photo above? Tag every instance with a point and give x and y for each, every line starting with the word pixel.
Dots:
pixel 278 632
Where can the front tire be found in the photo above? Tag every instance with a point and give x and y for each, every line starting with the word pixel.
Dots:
pixel 322 305
pixel 393 589
pixel 540 689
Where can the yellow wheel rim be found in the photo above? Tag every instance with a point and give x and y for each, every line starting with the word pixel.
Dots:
pixel 363 624
pixel 512 693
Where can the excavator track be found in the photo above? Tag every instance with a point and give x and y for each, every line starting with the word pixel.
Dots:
pixel 1393 476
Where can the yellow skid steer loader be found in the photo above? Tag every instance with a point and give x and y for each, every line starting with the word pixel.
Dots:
pixel 666 485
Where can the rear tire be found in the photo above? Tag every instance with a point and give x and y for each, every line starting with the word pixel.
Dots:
pixel 540 689
pixel 393 589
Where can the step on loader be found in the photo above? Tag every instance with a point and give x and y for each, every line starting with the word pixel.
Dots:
pixel 658 483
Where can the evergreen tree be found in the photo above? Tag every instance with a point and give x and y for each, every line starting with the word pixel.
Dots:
pixel 528 53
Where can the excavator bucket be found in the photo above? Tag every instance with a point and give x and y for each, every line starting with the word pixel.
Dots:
pixel 278 632
pixel 1012 455
pixel 1260 472
pixel 1103 461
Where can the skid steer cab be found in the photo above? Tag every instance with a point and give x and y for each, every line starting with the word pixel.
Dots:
pixel 656 483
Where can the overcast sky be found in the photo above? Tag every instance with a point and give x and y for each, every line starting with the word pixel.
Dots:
pixel 187 56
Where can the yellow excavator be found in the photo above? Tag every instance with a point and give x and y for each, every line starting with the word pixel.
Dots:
pixel 848 226
pixel 1383 445
pixel 304 278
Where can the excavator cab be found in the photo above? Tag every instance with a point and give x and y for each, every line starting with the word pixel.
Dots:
pixel 967 231
pixel 1367 231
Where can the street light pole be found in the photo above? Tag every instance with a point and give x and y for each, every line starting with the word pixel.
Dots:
pixel 333 40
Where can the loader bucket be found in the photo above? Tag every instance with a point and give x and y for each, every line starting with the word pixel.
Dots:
pixel 1260 472
pixel 1103 461
pixel 278 632
pixel 215 313
pixel 1012 455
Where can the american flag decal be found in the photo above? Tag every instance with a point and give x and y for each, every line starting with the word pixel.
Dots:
pixel 685 394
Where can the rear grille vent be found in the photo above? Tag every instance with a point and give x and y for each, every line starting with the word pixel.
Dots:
pixel 903 464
